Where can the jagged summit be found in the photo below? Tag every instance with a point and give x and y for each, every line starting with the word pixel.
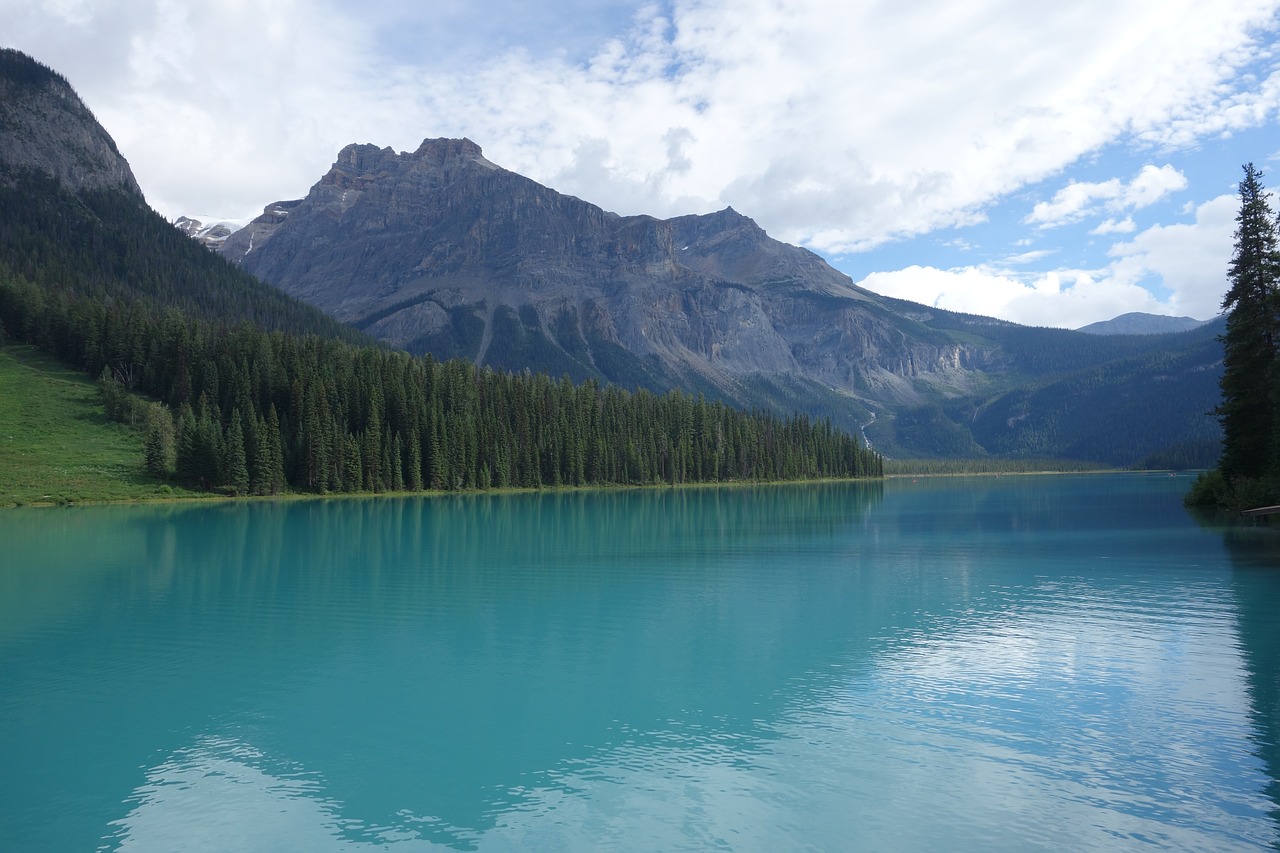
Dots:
pixel 45 127
pixel 365 158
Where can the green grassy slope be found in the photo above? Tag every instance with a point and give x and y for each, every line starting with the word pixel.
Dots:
pixel 56 444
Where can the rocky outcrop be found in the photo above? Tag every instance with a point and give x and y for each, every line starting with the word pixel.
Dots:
pixel 441 250
pixel 45 127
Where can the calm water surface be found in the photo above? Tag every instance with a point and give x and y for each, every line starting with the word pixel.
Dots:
pixel 1019 663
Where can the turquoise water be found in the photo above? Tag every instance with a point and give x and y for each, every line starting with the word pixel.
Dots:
pixel 1018 663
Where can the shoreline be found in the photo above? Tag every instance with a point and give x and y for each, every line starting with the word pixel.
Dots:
pixel 426 493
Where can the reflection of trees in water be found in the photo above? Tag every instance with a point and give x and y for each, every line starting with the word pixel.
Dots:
pixel 524 623
pixel 1255 559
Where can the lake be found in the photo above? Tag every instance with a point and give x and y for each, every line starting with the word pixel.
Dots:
pixel 1020 663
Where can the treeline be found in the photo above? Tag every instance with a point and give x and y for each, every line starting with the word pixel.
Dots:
pixel 107 244
pixel 984 465
pixel 253 412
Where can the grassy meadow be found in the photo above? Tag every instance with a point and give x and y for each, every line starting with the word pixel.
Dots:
pixel 57 445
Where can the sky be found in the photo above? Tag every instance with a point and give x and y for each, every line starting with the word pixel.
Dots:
pixel 1050 164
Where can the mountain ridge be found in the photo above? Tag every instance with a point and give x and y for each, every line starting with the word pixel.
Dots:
pixel 441 250
pixel 1141 323
pixel 446 239
pixel 44 126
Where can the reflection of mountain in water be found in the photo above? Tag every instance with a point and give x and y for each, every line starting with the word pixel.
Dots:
pixel 570 659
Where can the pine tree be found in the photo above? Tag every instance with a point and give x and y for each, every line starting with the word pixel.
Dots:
pixel 1249 376
pixel 235 475
pixel 274 451
pixel 160 448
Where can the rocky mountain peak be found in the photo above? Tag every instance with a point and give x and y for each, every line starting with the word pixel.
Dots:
pixel 45 127
pixel 365 160
pixel 440 151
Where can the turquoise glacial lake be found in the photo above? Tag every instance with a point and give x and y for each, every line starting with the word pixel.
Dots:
pixel 1015 663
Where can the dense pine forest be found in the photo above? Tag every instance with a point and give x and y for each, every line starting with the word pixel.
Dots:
pixel 253 393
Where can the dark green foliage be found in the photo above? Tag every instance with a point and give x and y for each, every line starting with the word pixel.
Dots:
pixel 459 338
pixel 1088 414
pixel 108 245
pixel 235 465
pixel 1184 456
pixel 932 433
pixel 518 340
pixel 1248 473
pixel 1209 490
pixel 1249 376
pixel 161 445
pixel 333 407
pixel 17 67
pixel 271 395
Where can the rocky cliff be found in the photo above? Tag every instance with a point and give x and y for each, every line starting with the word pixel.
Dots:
pixel 442 251
pixel 45 127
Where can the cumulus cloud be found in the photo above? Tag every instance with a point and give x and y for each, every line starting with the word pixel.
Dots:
pixel 838 126
pixel 1189 260
pixel 1078 200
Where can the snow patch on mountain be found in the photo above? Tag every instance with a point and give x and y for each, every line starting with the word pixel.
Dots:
pixel 209 231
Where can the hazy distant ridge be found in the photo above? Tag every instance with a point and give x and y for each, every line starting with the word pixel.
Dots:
pixel 1138 323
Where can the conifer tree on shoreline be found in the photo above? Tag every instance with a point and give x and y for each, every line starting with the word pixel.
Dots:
pixel 1248 472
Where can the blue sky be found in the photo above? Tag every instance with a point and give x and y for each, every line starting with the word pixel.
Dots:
pixel 1049 164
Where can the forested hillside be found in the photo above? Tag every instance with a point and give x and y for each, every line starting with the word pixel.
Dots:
pixel 110 246
pixel 251 391
pixel 260 412
pixel 441 250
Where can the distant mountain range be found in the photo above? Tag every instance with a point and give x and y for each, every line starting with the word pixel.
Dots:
pixel 1138 323
pixel 440 250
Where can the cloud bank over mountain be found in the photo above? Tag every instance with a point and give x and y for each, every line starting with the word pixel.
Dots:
pixel 845 128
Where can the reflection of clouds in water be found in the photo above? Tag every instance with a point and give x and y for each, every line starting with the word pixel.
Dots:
pixel 1050 727
pixel 217 796
pixel 688 791
pixel 919 753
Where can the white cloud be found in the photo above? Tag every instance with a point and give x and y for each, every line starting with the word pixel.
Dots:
pixel 1062 298
pixel 1112 226
pixel 1190 258
pixel 838 125
pixel 1024 258
pixel 1076 201
pixel 1152 184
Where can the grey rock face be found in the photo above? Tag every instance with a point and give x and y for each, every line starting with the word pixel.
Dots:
pixel 441 250
pixel 44 126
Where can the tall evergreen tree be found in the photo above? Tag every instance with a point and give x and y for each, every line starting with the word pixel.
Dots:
pixel 235 475
pixel 160 447
pixel 1249 375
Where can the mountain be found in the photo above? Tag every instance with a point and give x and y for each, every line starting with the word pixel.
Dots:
pixel 441 250
pixel 211 235
pixel 251 391
pixel 44 126
pixel 74 222
pixel 1138 323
